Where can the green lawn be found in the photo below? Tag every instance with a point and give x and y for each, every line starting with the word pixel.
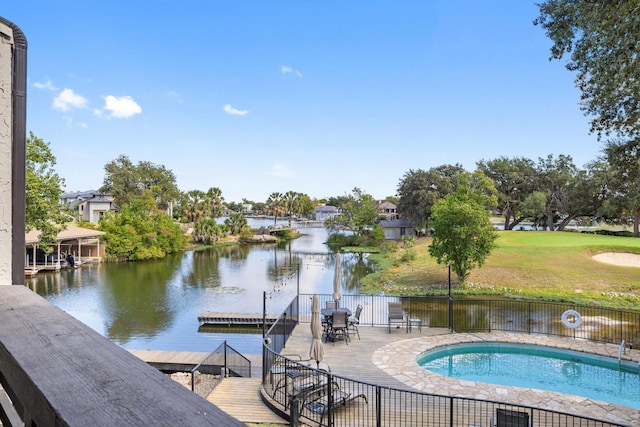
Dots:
pixel 535 264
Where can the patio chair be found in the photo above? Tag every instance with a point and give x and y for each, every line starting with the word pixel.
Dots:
pixel 354 320
pixel 509 418
pixel 397 315
pixel 339 327
pixel 317 401
pixel 302 371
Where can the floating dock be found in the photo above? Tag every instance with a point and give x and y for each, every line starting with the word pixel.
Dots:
pixel 235 319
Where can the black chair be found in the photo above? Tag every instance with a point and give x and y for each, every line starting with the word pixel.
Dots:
pixel 509 418
pixel 339 327
pixel 354 320
pixel 326 322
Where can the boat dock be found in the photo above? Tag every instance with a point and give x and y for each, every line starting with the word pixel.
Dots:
pixel 235 319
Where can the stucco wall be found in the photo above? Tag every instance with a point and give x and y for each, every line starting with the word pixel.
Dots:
pixel 6 44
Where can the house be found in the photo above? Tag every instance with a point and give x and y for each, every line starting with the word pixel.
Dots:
pixel 82 243
pixel 323 212
pixel 397 229
pixel 88 205
pixel 388 211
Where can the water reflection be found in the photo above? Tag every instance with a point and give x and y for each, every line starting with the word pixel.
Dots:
pixel 155 304
pixel 136 298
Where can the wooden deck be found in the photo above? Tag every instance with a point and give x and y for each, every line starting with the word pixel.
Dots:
pixel 170 360
pixel 235 319
pixel 240 398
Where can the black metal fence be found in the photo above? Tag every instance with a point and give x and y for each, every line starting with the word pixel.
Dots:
pixel 222 362
pixel 318 397
pixel 485 315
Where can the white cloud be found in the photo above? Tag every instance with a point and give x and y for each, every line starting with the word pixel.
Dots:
pixel 122 107
pixel 48 85
pixel 66 100
pixel 284 69
pixel 233 112
pixel 280 169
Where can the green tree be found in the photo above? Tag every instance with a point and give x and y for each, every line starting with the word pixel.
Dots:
pixel 419 190
pixel 194 205
pixel 140 231
pixel 275 205
pixel 207 231
pixel 236 223
pixel 44 212
pixel 514 179
pixel 584 195
pixel 554 177
pixel 291 199
pixel 463 236
pixel 359 213
pixel 127 182
pixel 603 39
pixel 216 201
pixel 623 202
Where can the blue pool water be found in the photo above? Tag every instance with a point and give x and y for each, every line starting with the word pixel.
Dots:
pixel 542 368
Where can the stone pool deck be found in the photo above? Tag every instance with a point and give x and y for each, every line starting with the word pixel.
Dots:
pixel 390 360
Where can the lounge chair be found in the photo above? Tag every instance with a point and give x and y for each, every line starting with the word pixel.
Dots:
pixel 317 401
pixel 397 315
pixel 354 320
pixel 307 374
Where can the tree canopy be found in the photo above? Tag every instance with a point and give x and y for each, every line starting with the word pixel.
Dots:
pixel 44 212
pixel 140 231
pixel 463 236
pixel 419 190
pixel 623 203
pixel 127 182
pixel 359 212
pixel 603 40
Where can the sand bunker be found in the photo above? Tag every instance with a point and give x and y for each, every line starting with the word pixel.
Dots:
pixel 624 259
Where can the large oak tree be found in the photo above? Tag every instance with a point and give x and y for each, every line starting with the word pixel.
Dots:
pixel 602 39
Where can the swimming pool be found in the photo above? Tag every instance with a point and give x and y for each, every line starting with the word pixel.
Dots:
pixel 543 368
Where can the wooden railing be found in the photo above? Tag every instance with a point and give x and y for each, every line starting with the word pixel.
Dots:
pixel 56 371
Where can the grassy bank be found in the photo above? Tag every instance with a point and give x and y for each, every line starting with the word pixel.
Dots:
pixel 542 265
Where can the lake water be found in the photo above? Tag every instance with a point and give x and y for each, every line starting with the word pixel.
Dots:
pixel 155 304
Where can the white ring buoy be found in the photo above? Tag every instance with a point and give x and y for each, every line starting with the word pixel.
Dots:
pixel 577 319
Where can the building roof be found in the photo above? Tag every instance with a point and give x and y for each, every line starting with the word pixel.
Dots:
pixel 73 232
pixel 327 209
pixel 396 223
pixel 386 205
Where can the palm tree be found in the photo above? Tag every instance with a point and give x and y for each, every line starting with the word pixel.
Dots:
pixel 275 205
pixel 236 223
pixel 216 200
pixel 291 199
pixel 195 205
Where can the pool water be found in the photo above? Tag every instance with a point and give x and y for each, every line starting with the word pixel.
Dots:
pixel 542 368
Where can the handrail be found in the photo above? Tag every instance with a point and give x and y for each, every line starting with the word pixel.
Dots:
pixel 57 371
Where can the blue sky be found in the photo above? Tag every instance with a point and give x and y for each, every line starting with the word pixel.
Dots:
pixel 317 97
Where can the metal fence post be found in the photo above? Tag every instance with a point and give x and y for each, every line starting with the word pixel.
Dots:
pixel 378 407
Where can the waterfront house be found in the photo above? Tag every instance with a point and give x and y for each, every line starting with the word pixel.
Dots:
pixel 88 205
pixel 323 212
pixel 388 211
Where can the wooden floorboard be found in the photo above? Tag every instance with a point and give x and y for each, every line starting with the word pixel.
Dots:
pixel 240 398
